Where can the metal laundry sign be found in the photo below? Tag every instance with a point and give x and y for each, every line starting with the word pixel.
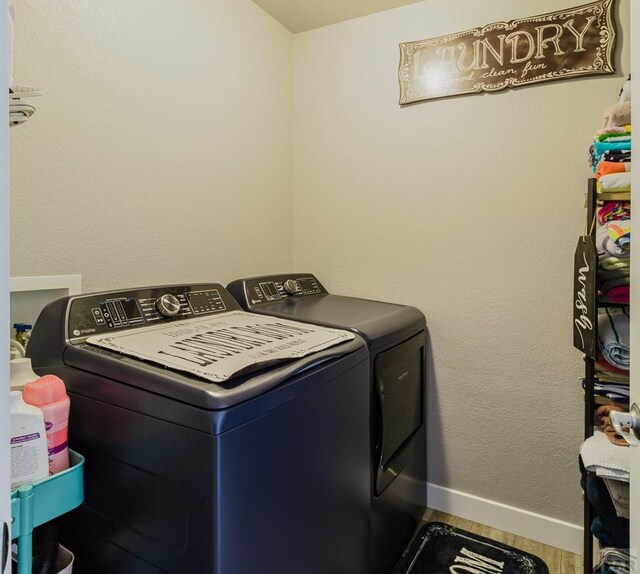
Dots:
pixel 554 46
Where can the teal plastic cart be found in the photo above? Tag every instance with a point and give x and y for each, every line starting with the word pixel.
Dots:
pixel 34 504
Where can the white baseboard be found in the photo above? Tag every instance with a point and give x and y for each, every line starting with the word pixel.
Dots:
pixel 527 524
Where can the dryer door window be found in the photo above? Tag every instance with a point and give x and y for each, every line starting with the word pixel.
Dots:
pixel 399 376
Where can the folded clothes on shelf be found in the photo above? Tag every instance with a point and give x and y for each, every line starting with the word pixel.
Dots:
pixel 607 373
pixel 607 526
pixel 617 155
pixel 605 244
pixel 614 561
pixel 605 286
pixel 615 182
pixel 599 151
pixel 619 294
pixel 604 458
pixel 613 335
pixel 614 130
pixel 608 262
pixel 620 231
pixel 609 274
pixel 619 492
pixel 608 167
pixel 612 210
pixel 613 390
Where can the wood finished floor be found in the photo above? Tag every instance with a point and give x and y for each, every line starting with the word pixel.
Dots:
pixel 558 561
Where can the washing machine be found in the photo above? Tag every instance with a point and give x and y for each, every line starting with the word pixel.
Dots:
pixel 265 471
pixel 396 337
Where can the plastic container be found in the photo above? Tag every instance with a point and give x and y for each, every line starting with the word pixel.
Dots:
pixel 21 373
pixel 28 443
pixel 49 394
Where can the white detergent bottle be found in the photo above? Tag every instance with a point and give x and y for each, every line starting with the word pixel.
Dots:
pixel 21 373
pixel 29 452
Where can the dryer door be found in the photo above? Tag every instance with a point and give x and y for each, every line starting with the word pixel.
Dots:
pixel 399 375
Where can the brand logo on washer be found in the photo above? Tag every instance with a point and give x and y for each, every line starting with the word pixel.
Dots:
pixel 78 332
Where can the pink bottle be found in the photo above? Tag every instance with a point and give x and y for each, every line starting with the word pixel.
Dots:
pixel 49 394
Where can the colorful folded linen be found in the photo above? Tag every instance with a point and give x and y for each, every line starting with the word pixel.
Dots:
pixel 608 285
pixel 617 155
pixel 604 276
pixel 615 130
pixel 611 263
pixel 606 167
pixel 599 148
pixel 615 182
pixel 606 245
pixel 602 364
pixel 615 138
pixel 611 210
pixel 613 335
pixel 619 294
pixel 620 231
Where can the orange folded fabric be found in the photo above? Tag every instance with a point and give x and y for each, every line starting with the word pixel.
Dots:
pixel 607 167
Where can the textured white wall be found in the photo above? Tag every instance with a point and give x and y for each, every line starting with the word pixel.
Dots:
pixel 161 150
pixel 470 209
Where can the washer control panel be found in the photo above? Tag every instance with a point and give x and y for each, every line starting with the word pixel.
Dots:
pixel 268 289
pixel 99 313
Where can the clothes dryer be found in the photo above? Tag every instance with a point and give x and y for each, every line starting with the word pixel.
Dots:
pixel 396 337
pixel 266 471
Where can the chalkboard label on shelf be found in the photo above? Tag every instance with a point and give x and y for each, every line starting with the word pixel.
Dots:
pixel 584 297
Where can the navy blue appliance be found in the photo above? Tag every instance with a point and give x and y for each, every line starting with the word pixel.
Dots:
pixel 396 337
pixel 268 472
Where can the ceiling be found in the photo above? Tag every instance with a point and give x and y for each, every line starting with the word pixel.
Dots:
pixel 302 15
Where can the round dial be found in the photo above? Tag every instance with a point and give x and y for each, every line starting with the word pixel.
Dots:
pixel 291 286
pixel 168 305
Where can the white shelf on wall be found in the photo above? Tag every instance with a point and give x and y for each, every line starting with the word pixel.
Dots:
pixel 72 284
pixel 28 295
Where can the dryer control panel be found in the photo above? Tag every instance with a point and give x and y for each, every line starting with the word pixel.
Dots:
pixel 271 288
pixel 99 313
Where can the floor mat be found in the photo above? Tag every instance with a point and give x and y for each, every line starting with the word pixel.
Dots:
pixel 442 549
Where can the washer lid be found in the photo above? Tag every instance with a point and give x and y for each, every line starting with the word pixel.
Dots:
pixel 59 344
pixel 223 346
pixel 377 322
pixel 86 362
pixel 302 296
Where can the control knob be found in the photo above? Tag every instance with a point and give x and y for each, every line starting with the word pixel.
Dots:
pixel 168 305
pixel 291 286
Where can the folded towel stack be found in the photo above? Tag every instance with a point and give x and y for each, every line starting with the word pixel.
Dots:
pixel 613 244
pixel 612 365
pixel 604 462
pixel 610 153
pixel 611 162
pixel 613 336
pixel 614 561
